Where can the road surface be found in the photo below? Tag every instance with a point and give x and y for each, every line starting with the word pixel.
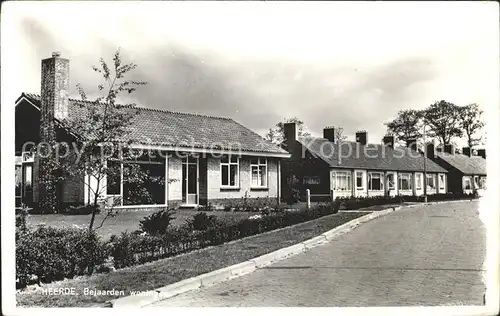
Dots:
pixel 428 255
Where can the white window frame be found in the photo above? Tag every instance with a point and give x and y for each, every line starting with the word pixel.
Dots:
pixel 441 181
pixel 476 182
pixel 258 165
pixel 405 176
pixel 482 183
pixel 229 164
pixel 433 177
pixel 348 177
pixel 418 180
pixel 359 174
pixel 118 159
pixel 370 177
pixel 393 187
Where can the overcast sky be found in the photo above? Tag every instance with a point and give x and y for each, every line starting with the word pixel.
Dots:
pixel 341 64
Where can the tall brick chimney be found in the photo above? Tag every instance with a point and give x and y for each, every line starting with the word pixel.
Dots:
pixel 362 137
pixel 54 105
pixel 55 87
pixel 329 133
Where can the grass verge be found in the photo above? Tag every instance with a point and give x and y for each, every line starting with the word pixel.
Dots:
pixel 167 271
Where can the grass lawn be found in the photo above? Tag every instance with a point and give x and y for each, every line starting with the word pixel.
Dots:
pixel 126 220
pixel 167 271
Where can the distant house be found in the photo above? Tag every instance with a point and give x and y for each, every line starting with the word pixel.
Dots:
pixel 343 169
pixel 466 172
pixel 214 159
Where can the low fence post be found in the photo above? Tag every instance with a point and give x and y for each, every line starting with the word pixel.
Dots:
pixel 308 198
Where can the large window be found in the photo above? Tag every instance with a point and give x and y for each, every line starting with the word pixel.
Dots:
pixel 482 183
pixel 341 180
pixel 431 181
pixel 418 180
pixel 467 183
pixel 441 182
pixel 113 178
pixel 230 170
pixel 375 181
pixel 405 181
pixel 136 179
pixel 258 168
pixel 359 180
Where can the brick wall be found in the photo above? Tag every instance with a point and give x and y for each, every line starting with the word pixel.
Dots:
pixel 213 180
pixel 214 190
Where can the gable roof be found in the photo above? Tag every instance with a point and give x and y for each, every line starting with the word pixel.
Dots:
pixel 174 129
pixel 465 164
pixel 349 154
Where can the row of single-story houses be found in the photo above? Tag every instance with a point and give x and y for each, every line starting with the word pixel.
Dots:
pixel 206 159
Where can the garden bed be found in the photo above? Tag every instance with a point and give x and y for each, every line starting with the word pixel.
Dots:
pixel 167 271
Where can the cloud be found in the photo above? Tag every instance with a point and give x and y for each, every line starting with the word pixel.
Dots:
pixel 216 62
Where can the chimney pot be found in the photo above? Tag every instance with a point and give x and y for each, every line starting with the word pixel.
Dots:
pixel 449 148
pixel 388 140
pixel 329 133
pixel 412 144
pixel 430 150
pixel 290 131
pixel 466 151
pixel 362 137
pixel 482 153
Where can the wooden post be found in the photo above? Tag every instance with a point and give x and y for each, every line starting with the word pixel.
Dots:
pixel 308 198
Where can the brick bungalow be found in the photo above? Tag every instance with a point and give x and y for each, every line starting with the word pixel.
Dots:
pixel 466 172
pixel 214 159
pixel 343 169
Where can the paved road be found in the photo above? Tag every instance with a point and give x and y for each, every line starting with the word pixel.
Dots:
pixel 428 255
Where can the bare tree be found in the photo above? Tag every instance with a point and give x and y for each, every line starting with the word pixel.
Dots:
pixel 101 134
pixel 471 123
pixel 339 134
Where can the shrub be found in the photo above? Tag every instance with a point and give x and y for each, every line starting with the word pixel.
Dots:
pixel 202 221
pixel 81 209
pixel 21 215
pixel 48 254
pixel 158 222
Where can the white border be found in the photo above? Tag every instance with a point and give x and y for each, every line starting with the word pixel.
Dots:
pixel 488 210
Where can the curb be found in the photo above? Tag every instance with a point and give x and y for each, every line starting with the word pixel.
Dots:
pixel 234 271
pixel 239 269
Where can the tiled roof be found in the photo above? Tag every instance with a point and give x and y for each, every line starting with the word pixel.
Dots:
pixel 465 164
pixel 371 156
pixel 167 128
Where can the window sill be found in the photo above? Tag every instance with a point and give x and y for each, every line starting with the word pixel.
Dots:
pixel 229 189
pixel 259 188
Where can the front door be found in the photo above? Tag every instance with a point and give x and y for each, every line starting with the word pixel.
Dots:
pixel 190 181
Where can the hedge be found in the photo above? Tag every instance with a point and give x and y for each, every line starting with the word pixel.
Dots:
pixel 48 254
